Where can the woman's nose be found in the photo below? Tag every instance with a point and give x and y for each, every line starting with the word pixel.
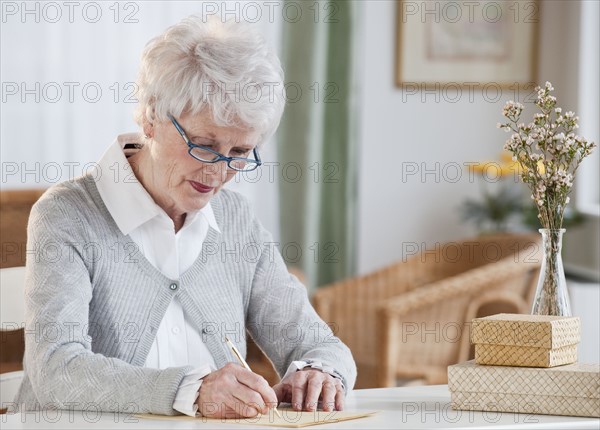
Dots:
pixel 216 170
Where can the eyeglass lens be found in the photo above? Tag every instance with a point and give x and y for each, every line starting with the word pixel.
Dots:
pixel 205 155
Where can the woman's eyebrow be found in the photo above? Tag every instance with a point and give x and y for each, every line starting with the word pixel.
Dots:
pixel 212 136
pixel 245 148
pixel 203 135
pixel 212 139
pixel 204 138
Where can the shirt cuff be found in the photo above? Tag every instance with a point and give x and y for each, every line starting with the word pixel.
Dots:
pixel 317 365
pixel 187 393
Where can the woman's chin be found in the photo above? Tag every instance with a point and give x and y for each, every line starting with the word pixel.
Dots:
pixel 198 201
pixel 193 200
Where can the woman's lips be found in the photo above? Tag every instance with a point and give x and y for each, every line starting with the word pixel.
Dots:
pixel 201 188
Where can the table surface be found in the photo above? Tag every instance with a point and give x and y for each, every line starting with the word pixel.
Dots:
pixel 399 408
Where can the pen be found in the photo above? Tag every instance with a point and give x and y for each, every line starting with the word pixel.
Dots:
pixel 243 363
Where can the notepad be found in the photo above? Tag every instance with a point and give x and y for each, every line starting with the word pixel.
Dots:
pixel 290 418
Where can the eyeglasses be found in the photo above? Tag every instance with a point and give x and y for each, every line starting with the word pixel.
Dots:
pixel 207 155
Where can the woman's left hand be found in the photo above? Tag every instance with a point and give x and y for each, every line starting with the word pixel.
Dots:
pixel 304 388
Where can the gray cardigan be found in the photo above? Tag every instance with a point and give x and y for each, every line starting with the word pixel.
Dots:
pixel 94 303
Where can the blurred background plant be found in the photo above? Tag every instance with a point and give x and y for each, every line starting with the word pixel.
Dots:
pixel 503 206
pixel 493 213
pixel 571 217
pixel 501 202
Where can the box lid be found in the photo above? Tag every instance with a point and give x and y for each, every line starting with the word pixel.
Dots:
pixel 572 380
pixel 540 331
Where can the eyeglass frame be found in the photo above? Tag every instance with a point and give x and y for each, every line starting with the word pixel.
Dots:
pixel 220 157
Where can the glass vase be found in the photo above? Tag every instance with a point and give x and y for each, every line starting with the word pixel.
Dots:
pixel 551 295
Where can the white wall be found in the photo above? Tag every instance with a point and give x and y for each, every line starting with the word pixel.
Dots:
pixel 585 297
pixel 396 210
pixel 397 129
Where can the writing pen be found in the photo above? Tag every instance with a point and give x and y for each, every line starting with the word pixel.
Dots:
pixel 243 363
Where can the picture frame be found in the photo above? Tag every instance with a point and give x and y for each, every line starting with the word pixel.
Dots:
pixel 467 43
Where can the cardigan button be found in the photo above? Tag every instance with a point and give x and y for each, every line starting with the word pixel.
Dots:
pixel 173 286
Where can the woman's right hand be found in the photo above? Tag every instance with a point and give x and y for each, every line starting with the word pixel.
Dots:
pixel 235 392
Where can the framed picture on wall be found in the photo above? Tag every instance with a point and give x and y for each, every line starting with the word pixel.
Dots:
pixel 467 43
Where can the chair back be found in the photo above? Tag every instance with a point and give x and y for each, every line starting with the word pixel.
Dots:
pixel 353 307
pixel 424 331
pixel 15 206
pixel 12 343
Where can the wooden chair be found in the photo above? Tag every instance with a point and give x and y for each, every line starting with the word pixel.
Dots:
pixel 12 341
pixel 15 206
pixel 410 320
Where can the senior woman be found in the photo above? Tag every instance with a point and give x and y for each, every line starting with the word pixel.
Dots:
pixel 138 270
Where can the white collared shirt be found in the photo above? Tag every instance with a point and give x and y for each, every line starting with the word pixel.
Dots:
pixel 177 342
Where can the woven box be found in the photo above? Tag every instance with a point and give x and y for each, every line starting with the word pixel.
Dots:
pixel 572 390
pixel 504 355
pixel 525 340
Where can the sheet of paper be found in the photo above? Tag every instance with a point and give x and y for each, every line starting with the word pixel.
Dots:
pixel 290 418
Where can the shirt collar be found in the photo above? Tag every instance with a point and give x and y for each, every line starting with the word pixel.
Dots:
pixel 208 213
pixel 126 199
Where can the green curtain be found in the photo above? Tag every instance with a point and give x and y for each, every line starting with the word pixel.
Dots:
pixel 317 145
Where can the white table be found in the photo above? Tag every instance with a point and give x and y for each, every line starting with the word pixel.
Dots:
pixel 400 408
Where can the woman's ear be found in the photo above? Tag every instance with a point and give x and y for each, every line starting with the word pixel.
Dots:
pixel 148 128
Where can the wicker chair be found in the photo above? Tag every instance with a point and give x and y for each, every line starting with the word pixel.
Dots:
pixel 12 340
pixel 411 320
pixel 15 206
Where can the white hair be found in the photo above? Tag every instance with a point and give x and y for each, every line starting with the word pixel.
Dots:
pixel 224 66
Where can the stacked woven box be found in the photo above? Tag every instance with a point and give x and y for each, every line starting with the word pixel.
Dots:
pixel 526 364
pixel 525 340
